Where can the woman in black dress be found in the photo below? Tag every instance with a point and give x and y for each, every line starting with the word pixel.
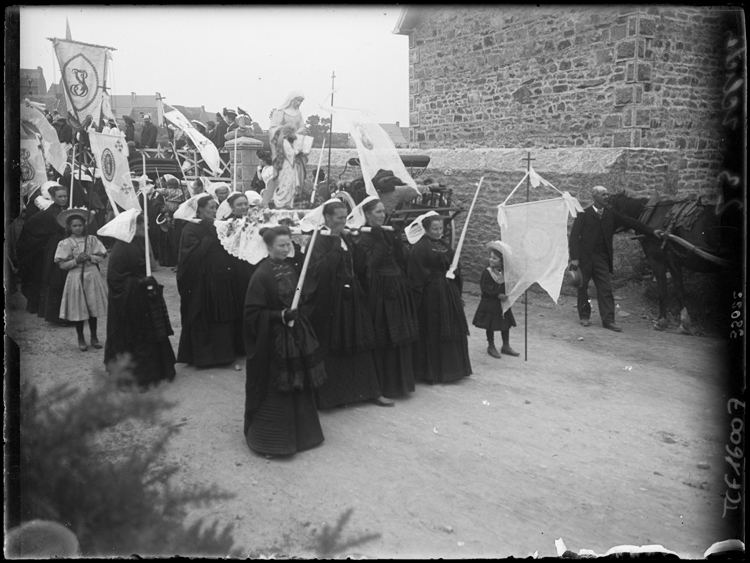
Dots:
pixel 379 261
pixel 42 281
pixel 209 304
pixel 137 320
pixel 284 364
pixel 337 307
pixel 441 353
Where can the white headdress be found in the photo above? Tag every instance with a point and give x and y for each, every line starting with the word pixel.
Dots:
pixel 499 246
pixel 213 186
pixel 315 218
pixel 188 210
pixel 253 197
pixel 46 186
pixel 356 218
pixel 225 207
pixel 121 227
pixel 415 230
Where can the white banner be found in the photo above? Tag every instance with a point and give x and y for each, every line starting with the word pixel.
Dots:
pixel 52 150
pixel 111 155
pixel 33 168
pixel 84 70
pixel 374 146
pixel 208 150
pixel 538 237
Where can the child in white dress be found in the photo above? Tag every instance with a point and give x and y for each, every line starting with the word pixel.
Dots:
pixel 84 294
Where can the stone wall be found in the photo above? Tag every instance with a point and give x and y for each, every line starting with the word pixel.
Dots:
pixel 606 77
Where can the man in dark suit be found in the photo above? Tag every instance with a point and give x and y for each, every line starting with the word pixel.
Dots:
pixel 148 133
pixel 590 247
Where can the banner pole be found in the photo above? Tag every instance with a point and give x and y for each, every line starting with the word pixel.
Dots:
pixel 451 273
pixel 315 179
pixel 72 174
pixel 330 131
pixel 234 162
pixel 528 160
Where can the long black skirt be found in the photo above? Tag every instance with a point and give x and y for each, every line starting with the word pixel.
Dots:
pixel 395 368
pixel 205 343
pixel 285 424
pixel 151 362
pixel 51 296
pixel 441 362
pixel 351 378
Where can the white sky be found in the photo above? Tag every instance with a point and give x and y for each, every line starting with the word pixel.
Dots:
pixel 238 56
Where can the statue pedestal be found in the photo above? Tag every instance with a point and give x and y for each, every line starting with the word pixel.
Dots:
pixel 246 160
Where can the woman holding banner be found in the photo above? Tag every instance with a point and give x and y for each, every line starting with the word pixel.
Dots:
pixel 209 305
pixel 337 308
pixel 137 319
pixel 441 354
pixel 284 363
pixel 379 261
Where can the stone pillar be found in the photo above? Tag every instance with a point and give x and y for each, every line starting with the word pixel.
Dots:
pixel 247 160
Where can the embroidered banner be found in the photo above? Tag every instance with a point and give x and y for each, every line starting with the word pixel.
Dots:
pixel 111 155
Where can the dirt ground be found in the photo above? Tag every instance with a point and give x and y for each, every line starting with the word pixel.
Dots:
pixel 599 438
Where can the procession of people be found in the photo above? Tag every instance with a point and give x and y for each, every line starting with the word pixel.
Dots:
pixel 361 314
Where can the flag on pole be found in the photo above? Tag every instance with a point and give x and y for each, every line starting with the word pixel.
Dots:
pixel 33 168
pixel 538 237
pixel 34 122
pixel 374 146
pixel 111 155
pixel 208 150
pixel 83 69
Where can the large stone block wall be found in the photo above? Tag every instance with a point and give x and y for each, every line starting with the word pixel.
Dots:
pixel 542 78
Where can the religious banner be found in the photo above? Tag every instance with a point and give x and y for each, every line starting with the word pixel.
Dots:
pixel 84 70
pixel 208 150
pixel 111 155
pixel 34 122
pixel 374 146
pixel 33 168
pixel 537 233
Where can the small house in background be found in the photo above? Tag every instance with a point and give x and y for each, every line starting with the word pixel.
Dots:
pixel 399 135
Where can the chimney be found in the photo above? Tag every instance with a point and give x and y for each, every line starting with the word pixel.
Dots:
pixel 398 124
pixel 132 96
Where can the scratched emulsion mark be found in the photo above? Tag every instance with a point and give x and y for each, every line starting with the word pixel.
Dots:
pixel 666 437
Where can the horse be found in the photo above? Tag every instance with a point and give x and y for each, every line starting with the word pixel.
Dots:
pixel 693 241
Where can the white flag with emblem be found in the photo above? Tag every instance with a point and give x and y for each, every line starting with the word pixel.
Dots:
pixel 111 155
pixel 33 168
pixel 83 70
pixel 537 233
pixel 52 150
pixel 208 150
pixel 374 146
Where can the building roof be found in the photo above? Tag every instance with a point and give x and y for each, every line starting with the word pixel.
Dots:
pixel 396 133
pixel 407 21
pixel 33 82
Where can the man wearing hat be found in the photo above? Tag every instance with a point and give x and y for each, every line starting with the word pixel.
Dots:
pixel 590 247
pixel 129 128
pixel 211 131
pixel 148 133
pixel 223 127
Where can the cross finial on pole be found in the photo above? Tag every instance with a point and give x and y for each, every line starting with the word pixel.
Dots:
pixel 528 160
